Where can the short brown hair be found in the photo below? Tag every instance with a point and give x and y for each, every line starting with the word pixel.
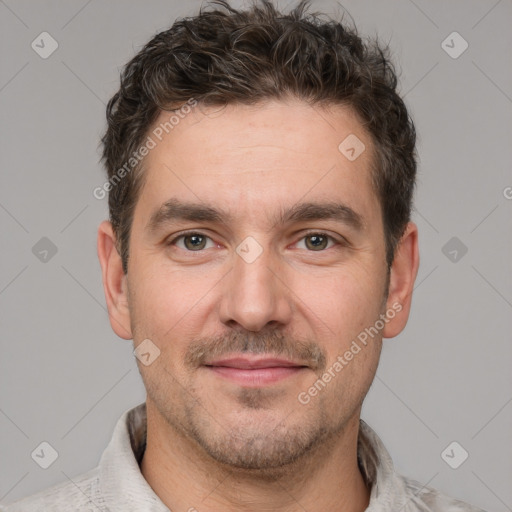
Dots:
pixel 228 56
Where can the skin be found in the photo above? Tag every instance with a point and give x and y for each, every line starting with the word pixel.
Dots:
pixel 217 445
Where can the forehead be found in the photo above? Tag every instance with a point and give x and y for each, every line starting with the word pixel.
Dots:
pixel 257 159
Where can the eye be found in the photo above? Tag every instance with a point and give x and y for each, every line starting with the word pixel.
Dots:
pixel 192 241
pixel 317 241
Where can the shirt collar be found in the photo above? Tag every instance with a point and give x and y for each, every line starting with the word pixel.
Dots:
pixel 387 489
pixel 124 487
pixel 122 484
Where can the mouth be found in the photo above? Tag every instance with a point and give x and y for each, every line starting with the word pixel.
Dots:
pixel 253 371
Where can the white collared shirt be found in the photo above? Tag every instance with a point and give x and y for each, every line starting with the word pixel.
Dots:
pixel 117 484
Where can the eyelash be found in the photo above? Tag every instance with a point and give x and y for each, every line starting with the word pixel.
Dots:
pixel 338 242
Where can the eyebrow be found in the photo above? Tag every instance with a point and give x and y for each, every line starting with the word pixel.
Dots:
pixel 175 210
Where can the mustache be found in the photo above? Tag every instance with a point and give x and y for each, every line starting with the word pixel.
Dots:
pixel 274 343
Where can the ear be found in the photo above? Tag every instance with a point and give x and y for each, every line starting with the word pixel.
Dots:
pixel 401 281
pixel 114 281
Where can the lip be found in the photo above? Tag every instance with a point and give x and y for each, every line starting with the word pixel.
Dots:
pixel 254 372
pixel 248 363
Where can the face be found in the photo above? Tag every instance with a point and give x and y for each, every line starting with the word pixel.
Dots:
pixel 257 260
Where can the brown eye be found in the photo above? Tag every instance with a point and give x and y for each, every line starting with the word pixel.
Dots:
pixel 194 242
pixel 316 241
pixel 191 241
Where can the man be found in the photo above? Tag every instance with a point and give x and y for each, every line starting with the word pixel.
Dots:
pixel 261 171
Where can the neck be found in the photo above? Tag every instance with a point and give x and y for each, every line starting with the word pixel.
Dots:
pixel 185 478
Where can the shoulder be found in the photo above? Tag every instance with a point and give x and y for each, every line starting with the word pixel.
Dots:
pixel 78 494
pixel 426 499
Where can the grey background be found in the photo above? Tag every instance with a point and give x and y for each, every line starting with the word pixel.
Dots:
pixel 65 377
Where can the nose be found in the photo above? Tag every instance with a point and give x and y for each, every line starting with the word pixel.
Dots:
pixel 255 293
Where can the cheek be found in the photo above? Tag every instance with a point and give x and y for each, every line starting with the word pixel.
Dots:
pixel 168 308
pixel 341 304
pixel 167 295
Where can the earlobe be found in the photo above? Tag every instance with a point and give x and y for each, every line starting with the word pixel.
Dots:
pixel 403 275
pixel 114 281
